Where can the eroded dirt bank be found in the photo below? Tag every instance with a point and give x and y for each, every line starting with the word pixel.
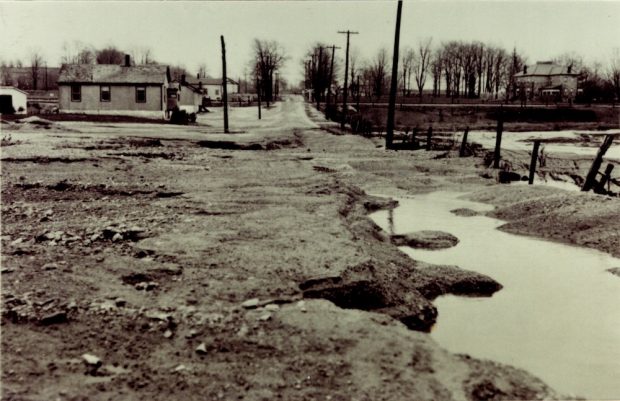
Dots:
pixel 198 273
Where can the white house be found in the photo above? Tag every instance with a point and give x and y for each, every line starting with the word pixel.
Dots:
pixel 214 90
pixel 13 100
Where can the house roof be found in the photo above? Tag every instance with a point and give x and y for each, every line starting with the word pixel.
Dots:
pixel 13 88
pixel 208 81
pixel 545 68
pixel 112 74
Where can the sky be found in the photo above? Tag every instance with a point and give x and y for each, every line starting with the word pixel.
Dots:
pixel 188 32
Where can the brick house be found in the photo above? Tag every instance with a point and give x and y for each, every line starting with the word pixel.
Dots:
pixel 139 90
pixel 547 81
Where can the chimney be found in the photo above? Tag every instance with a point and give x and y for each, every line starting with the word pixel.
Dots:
pixel 127 60
pixel 198 76
pixel 182 78
pixel 525 69
pixel 570 68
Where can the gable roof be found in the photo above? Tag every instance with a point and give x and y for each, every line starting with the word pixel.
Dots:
pixel 207 81
pixel 13 89
pixel 112 74
pixel 545 68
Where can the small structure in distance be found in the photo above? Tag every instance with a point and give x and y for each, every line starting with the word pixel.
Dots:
pixel 547 81
pixel 13 100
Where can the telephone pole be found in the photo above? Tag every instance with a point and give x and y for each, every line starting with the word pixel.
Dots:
pixel 346 79
pixel 224 85
pixel 389 134
pixel 331 74
pixel 258 89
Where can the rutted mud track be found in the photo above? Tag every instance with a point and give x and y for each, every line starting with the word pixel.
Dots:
pixel 207 276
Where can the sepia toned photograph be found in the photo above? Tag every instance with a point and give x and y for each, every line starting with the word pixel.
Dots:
pixel 377 200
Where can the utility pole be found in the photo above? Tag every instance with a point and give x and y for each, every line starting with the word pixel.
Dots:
pixel 358 92
pixel 319 74
pixel 224 85
pixel 389 135
pixel 258 87
pixel 346 79
pixel 331 73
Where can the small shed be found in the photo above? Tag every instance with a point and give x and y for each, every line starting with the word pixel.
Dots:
pixel 13 100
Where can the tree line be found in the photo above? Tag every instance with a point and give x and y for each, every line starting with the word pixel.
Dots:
pixel 455 69
pixel 35 75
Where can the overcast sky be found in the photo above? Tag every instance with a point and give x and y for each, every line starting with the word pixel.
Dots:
pixel 187 33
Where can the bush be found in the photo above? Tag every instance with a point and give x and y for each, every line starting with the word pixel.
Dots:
pixel 179 117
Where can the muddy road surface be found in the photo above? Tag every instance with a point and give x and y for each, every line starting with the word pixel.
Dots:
pixel 153 262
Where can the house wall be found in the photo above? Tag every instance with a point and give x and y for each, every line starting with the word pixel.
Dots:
pixel 18 98
pixel 211 90
pixel 568 82
pixel 122 100
pixel 189 100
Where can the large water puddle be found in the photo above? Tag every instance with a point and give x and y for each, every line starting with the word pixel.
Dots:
pixel 557 316
pixel 522 141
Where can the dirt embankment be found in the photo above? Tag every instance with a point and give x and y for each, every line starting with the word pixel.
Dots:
pixel 217 289
pixel 577 218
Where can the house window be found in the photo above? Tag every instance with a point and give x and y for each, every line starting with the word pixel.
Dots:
pixel 104 93
pixel 217 92
pixel 140 94
pixel 76 93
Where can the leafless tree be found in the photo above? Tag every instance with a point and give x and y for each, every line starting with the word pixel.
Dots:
pixel 516 64
pixel 142 55
pixel 110 55
pixel 479 50
pixel 269 57
pixel 77 52
pixel 377 74
pixel 202 70
pixel 436 71
pixel 500 70
pixel 318 70
pixel 613 72
pixel 86 56
pixel 407 63
pixel 6 77
pixel 354 61
pixel 36 61
pixel 572 60
pixel 421 62
pixel 177 72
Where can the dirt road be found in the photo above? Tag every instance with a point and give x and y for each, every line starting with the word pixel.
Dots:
pixel 147 262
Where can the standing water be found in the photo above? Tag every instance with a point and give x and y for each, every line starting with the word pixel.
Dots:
pixel 557 315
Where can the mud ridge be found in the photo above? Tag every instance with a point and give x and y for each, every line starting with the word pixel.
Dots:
pixel 47 160
pixel 390 282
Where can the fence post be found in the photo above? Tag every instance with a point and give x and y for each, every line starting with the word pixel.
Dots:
pixel 463 142
pixel 429 135
pixel 600 188
pixel 498 142
pixel 596 164
pixel 533 162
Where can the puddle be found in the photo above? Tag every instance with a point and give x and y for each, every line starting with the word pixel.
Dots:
pixel 518 141
pixel 557 315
